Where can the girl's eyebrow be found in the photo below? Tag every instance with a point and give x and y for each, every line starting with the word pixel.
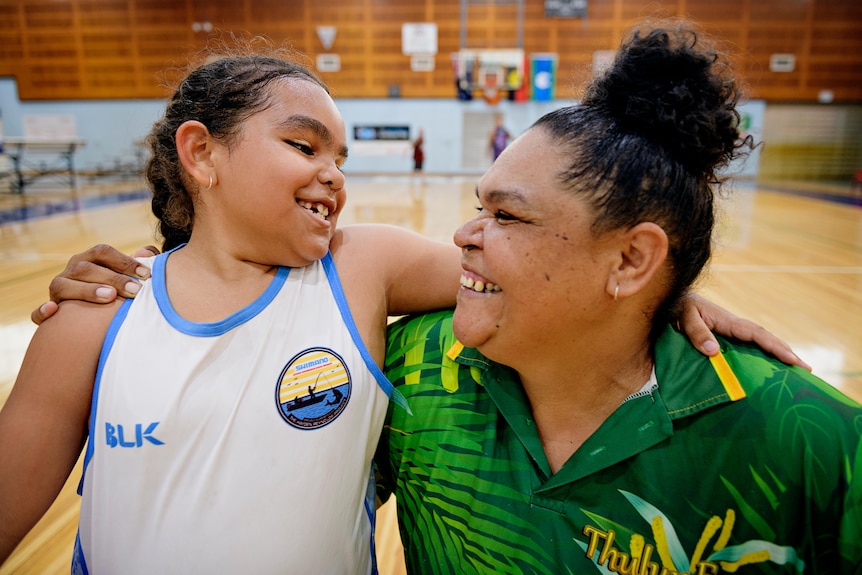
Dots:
pixel 316 126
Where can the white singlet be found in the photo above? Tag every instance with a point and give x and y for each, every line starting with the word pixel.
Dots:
pixel 240 446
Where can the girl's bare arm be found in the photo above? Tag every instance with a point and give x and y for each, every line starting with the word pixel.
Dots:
pixel 43 425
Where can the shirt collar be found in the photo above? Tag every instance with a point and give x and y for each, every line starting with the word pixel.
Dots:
pixel 688 381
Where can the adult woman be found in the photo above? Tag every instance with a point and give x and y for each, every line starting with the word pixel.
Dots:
pixel 570 429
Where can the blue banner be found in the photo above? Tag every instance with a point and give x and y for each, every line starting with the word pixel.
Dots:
pixel 543 76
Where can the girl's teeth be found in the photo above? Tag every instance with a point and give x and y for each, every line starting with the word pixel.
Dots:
pixel 318 208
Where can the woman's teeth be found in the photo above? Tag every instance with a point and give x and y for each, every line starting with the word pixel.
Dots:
pixel 316 208
pixel 479 285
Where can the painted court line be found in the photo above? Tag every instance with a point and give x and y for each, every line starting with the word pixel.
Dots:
pixel 849 270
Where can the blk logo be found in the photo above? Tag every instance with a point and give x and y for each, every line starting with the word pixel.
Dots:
pixel 117 436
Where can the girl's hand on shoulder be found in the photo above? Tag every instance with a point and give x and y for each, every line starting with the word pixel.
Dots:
pixel 700 317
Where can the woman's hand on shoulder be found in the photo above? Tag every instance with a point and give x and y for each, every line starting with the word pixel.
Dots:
pixel 97 275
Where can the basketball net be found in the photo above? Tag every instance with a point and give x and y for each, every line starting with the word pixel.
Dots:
pixel 491 92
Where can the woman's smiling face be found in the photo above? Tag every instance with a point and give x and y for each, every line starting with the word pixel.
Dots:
pixel 541 271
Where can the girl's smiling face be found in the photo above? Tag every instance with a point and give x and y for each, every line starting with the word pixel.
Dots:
pixel 534 274
pixel 281 188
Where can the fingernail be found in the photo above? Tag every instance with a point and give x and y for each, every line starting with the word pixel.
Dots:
pixel 44 307
pixel 710 347
pixel 104 293
pixel 143 271
pixel 132 287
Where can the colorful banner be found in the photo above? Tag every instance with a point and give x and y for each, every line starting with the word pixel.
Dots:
pixel 543 77
pixel 522 94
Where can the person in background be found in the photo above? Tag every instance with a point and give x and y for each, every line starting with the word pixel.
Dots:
pixel 418 152
pixel 499 137
pixel 560 422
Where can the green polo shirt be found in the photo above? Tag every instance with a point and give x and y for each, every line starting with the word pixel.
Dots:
pixel 744 465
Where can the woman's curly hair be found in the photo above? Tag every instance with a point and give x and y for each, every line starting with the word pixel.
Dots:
pixel 648 142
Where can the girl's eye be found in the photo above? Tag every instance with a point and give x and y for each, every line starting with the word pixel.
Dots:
pixel 302 147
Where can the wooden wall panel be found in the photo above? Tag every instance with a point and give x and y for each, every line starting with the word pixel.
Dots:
pixel 11 39
pixel 105 14
pixel 67 49
pixel 776 11
pixel 274 12
pixel 711 11
pixel 600 11
pixel 168 13
pixel 627 12
pixel 398 11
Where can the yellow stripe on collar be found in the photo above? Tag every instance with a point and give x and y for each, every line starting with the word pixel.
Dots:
pixel 455 350
pixel 727 377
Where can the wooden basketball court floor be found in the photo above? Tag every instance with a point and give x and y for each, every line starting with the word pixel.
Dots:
pixel 788 256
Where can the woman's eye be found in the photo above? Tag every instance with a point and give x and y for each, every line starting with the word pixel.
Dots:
pixel 499 215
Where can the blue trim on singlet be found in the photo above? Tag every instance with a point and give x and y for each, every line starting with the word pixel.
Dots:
pixel 341 301
pixel 79 562
pixel 216 328
pixel 371 512
pixel 110 337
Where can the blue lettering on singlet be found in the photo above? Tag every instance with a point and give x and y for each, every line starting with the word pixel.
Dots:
pixel 308 364
pixel 115 435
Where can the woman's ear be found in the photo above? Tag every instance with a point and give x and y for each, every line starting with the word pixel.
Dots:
pixel 194 147
pixel 643 250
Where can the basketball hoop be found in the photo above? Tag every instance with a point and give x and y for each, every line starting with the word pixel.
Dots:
pixel 492 95
pixel 491 72
pixel 490 78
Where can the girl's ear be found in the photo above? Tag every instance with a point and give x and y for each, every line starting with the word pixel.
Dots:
pixel 194 147
pixel 643 251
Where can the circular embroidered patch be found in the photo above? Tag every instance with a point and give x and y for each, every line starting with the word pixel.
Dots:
pixel 313 388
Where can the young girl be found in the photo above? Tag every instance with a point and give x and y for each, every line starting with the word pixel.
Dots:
pixel 233 407
pixel 237 400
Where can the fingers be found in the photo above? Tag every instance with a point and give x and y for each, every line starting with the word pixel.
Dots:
pixel 43 312
pixel 695 328
pixel 146 251
pixel 103 265
pixel 700 316
pixel 746 330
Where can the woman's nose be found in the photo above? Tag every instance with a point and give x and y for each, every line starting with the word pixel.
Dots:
pixel 469 235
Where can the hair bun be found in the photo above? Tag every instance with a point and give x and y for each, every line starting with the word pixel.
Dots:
pixel 666 87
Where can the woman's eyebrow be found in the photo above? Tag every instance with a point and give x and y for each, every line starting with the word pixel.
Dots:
pixel 316 126
pixel 501 195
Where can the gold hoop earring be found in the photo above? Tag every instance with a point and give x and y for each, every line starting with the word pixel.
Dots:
pixel 616 292
pixel 210 186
